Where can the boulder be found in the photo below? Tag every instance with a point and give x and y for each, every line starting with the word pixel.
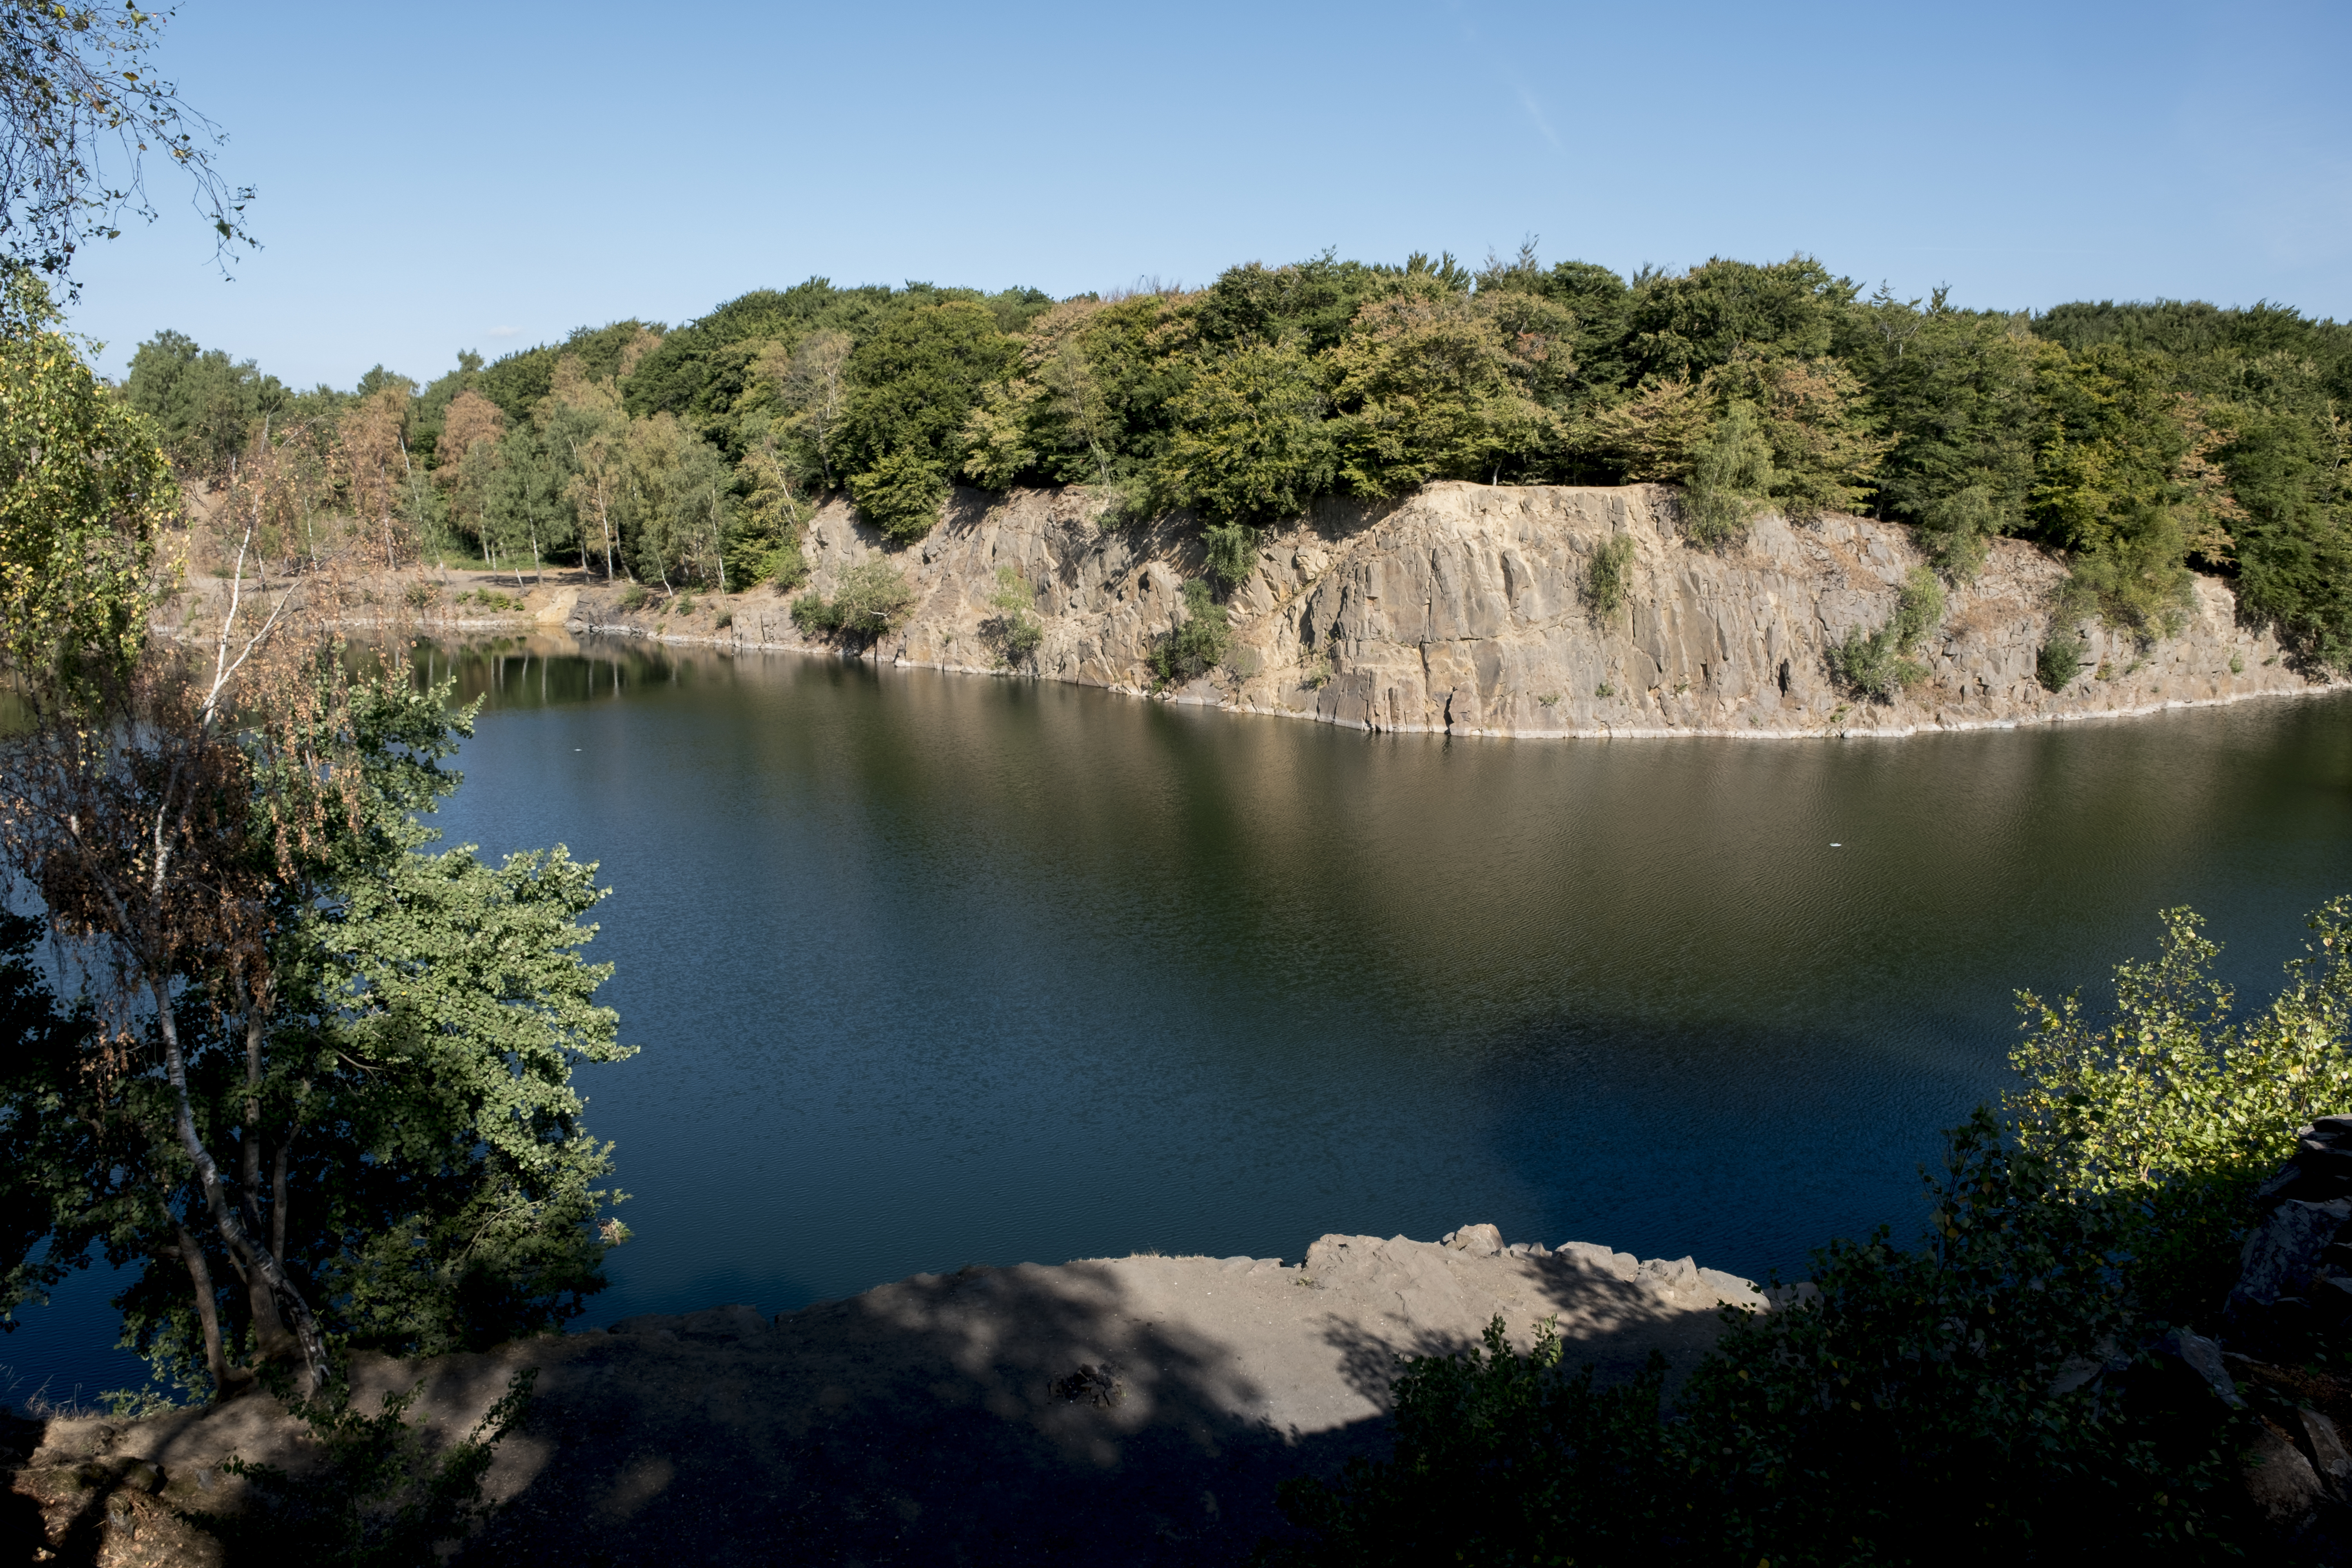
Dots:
pixel 1617 1265
pixel 1477 1240
pixel 2280 1481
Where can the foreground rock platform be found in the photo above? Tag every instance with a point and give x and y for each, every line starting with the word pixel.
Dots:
pixel 1014 1414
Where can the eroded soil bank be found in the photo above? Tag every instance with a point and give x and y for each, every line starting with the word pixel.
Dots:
pixel 1136 1409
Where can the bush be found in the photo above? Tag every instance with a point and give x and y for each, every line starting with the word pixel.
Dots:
pixel 1605 579
pixel 2178 1108
pixel 1991 1393
pixel 420 594
pixel 874 596
pixel 1880 665
pixel 815 616
pixel 1232 550
pixel 726 618
pixel 2060 661
pixel 901 495
pixel 1014 630
pixel 1199 642
pixel 633 598
pixel 786 566
pixel 1910 1413
pixel 378 1499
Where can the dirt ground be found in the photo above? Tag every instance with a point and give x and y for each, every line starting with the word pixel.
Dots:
pixel 994 1416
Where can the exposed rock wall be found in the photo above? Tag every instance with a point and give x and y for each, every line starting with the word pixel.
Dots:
pixel 1465 608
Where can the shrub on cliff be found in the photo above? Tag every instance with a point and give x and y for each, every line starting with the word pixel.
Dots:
pixel 1605 579
pixel 1199 642
pixel 874 597
pixel 1880 663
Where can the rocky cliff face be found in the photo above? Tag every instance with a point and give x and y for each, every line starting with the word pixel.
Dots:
pixel 1465 608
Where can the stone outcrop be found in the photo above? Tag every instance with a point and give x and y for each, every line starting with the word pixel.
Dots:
pixel 1465 608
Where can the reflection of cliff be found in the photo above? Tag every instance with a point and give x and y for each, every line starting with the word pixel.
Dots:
pixel 1463 608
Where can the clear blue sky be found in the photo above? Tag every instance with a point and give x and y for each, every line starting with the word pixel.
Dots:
pixel 490 176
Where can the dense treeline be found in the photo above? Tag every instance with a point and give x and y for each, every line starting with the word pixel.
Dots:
pixel 2143 441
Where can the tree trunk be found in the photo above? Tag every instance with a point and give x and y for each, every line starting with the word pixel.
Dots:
pixel 200 1277
pixel 240 1244
pixel 268 1326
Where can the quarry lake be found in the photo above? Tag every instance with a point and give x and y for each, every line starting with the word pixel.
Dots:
pixel 930 969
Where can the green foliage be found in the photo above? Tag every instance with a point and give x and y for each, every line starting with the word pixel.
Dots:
pixel 204 406
pixel 1252 442
pixel 1724 310
pixel 2059 662
pixel 1426 388
pixel 401 1100
pixel 2142 441
pixel 1913 1412
pixel 1880 665
pixel 901 495
pixel 1957 392
pixel 914 384
pixel 1199 642
pixel 1987 1394
pixel 1731 479
pixel 2174 1105
pixel 1014 628
pixel 83 490
pixel 519 381
pixel 872 597
pixel 2123 484
pixel 377 1498
pixel 1562 1471
pixel 1606 578
pixel 633 598
pixel 1231 551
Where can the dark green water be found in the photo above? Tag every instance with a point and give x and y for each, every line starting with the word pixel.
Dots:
pixel 931 969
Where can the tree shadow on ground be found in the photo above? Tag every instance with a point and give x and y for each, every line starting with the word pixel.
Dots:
pixel 993 1416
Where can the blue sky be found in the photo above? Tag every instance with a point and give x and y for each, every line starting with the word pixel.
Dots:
pixel 435 177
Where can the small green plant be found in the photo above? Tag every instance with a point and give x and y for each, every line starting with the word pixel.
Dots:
pixel 420 594
pixel 2237 665
pixel 1013 630
pixel 2059 662
pixel 1319 669
pixel 1880 665
pixel 634 598
pixel 1199 642
pixel 1549 700
pixel 1605 690
pixel 786 566
pixel 378 1499
pixel 2105 672
pixel 1605 579
pixel 726 618
pixel 685 604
